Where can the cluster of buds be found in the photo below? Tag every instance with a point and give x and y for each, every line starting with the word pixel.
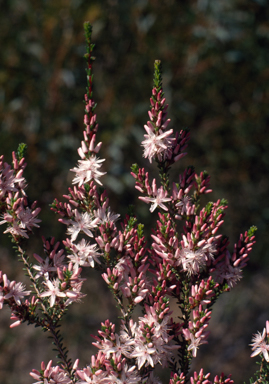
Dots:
pixel 51 374
pixel 17 214
pixel 160 143
pixel 187 259
pixel 195 334
pixel 201 378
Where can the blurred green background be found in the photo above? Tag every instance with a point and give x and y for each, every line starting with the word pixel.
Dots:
pixel 215 56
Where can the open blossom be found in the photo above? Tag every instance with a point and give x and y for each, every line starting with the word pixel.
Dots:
pixel 28 218
pixel 74 295
pixel 151 343
pixel 52 375
pixel 53 290
pixel 157 200
pixel 229 273
pixel 105 215
pixel 259 345
pixel 87 377
pixel 119 347
pixel 127 376
pixel 194 260
pixel 17 291
pixel 184 205
pixel 83 222
pixel 16 230
pixel 25 219
pixel 84 255
pixel 144 354
pixel 44 267
pixel 161 328
pixel 157 144
pixel 8 180
pixel 88 170
pixel 195 343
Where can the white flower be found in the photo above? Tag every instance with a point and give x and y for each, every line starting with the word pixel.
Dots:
pixel 44 268
pixel 259 345
pixel 16 230
pixel 143 354
pixel 84 255
pixel 54 375
pixel 232 275
pixel 183 205
pixel 74 295
pixel 127 376
pixel 195 343
pixel 28 218
pixel 17 291
pixel 194 260
pixel 88 377
pixel 160 329
pixel 88 170
pixel 82 223
pixel 106 217
pixel 119 348
pixel 159 144
pixel 53 291
pixel 157 200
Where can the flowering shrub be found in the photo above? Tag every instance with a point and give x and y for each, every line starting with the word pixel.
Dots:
pixel 188 260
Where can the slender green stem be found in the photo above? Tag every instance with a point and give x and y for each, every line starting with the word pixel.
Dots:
pixel 261 379
pixel 62 351
pixel 31 276
pixel 50 325
pixel 185 361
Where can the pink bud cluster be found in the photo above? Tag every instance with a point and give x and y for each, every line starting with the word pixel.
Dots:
pixel 19 216
pixel 195 334
pixel 159 142
pixel 13 294
pixel 200 378
pixel 50 374
pixel 88 167
pixel 58 281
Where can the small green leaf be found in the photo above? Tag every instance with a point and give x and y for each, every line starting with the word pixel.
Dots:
pixel 21 151
pixel 252 230
pixel 135 169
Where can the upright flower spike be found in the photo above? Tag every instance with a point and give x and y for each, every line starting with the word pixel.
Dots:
pixel 88 168
pixel 158 141
pixel 89 59
pixel 157 200
pixel 160 144
pixel 90 116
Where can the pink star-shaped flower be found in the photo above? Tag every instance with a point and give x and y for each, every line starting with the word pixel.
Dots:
pixel 157 200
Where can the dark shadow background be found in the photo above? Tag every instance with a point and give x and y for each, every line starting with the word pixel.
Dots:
pixel 215 56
